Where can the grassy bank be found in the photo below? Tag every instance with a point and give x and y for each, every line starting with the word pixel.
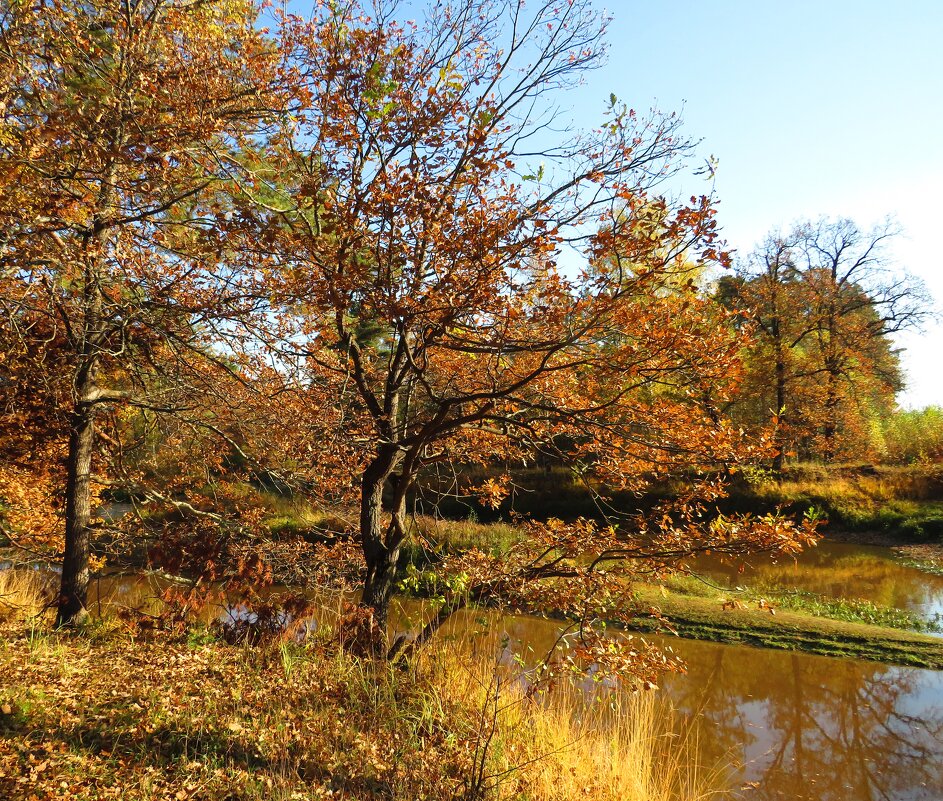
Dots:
pixel 104 714
pixel 750 622
pixel 905 504
pixel 900 503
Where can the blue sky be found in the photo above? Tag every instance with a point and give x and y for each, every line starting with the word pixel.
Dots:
pixel 819 108
pixel 830 107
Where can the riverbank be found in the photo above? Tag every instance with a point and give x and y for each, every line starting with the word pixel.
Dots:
pixel 728 619
pixel 805 622
pixel 927 553
pixel 102 714
pixel 887 505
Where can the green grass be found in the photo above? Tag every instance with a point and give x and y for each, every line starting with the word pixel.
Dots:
pixel 704 618
pixel 903 502
pixel 932 566
pixel 849 610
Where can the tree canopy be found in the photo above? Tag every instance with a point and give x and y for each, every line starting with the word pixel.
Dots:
pixel 354 249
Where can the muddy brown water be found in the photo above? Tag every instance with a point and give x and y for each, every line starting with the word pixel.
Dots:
pixel 837 570
pixel 797 726
pixel 790 725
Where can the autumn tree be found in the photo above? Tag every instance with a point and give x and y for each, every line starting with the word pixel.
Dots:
pixel 113 118
pixel 33 431
pixel 914 435
pixel 767 296
pixel 823 302
pixel 466 279
pixel 858 301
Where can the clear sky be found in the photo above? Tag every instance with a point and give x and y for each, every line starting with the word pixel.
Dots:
pixel 832 107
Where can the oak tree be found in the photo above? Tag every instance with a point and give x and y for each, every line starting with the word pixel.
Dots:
pixel 113 118
pixel 466 279
pixel 857 301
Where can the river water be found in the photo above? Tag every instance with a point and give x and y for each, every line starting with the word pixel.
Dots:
pixel 797 726
pixel 838 570
pixel 792 726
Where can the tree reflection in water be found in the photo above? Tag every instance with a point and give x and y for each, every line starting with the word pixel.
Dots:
pixel 806 727
pixel 836 570
pixel 795 726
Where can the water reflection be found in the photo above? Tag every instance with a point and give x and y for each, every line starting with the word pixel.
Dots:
pixel 797 726
pixel 811 727
pixel 838 570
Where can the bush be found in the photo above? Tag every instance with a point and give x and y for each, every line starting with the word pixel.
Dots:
pixel 914 436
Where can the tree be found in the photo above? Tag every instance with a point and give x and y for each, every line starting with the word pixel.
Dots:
pixel 33 433
pixel 417 213
pixel 767 293
pixel 113 118
pixel 857 302
pixel 823 303
pixel 914 435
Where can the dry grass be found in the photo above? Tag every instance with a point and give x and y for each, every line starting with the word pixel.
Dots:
pixel 23 593
pixel 557 745
pixel 875 483
pixel 294 514
pixel 633 751
pixel 106 716
pixel 903 501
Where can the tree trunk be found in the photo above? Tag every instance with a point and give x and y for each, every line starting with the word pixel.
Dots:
pixel 73 595
pixel 381 553
pixel 779 442
pixel 830 431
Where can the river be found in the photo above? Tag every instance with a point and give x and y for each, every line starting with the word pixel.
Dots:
pixel 839 570
pixel 797 726
pixel 791 725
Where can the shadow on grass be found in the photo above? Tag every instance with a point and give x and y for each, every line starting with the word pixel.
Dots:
pixel 170 750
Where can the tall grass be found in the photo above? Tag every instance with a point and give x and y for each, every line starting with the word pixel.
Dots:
pixel 458 535
pixel 912 436
pixel 23 593
pixel 561 744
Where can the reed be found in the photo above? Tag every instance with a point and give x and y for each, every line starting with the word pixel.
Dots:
pixel 569 741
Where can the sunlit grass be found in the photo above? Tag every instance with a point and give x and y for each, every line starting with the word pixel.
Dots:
pixel 555 746
pixel 906 501
pixel 459 535
pixel 851 610
pixel 766 592
pixel 154 718
pixel 23 593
